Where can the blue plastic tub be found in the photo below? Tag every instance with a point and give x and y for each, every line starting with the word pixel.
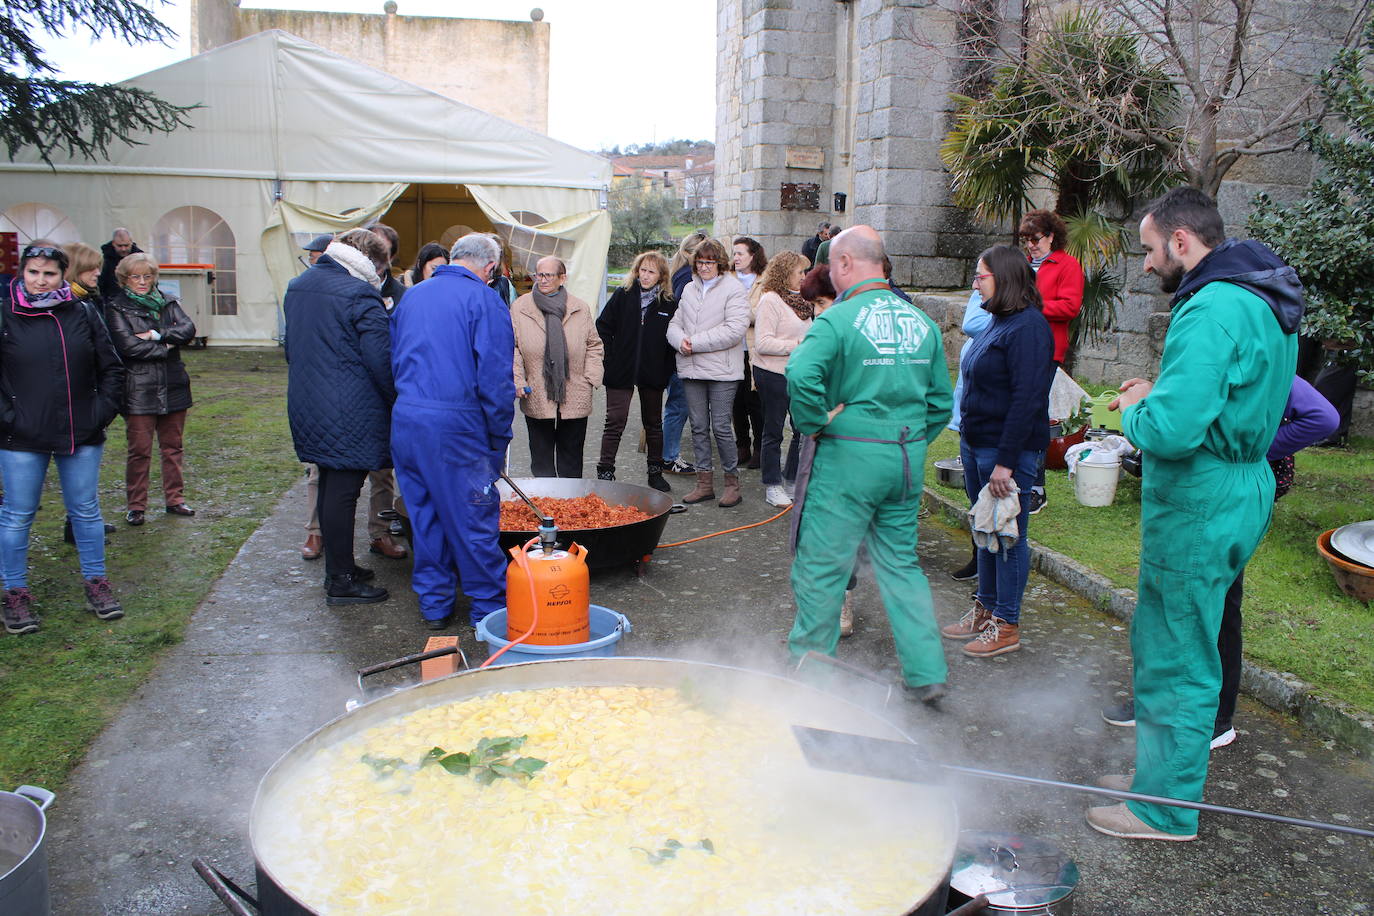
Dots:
pixel 607 626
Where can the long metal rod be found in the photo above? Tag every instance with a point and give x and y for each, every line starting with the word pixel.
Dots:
pixel 538 513
pixel 868 748
pixel 1160 800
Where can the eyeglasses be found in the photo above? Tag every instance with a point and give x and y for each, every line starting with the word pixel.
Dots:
pixel 977 277
pixel 42 251
pixel 708 261
pixel 547 276
pixel 1026 237
pixel 148 278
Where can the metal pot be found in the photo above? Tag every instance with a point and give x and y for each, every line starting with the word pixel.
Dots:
pixel 795 702
pixel 950 472
pixel 617 545
pixel 1019 875
pixel 23 851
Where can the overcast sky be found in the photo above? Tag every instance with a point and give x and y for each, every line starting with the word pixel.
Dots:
pixel 622 71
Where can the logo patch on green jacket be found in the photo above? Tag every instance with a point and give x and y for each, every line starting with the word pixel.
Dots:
pixel 894 327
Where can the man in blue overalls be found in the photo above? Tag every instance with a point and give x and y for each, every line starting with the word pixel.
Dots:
pixel 452 349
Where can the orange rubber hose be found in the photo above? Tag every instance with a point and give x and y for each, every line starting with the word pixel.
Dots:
pixel 726 531
pixel 524 562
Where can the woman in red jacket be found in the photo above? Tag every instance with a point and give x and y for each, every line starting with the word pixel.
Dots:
pixel 1059 278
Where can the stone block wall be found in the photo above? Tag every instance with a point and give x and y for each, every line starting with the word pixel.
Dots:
pixel 500 67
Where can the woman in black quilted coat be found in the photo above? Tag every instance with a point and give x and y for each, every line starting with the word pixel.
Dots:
pixel 339 393
pixel 149 330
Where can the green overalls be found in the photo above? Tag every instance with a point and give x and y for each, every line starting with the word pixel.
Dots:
pixel 1207 494
pixel 883 359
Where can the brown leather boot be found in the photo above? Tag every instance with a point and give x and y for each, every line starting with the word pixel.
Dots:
pixel 997 638
pixel 732 496
pixel 970 625
pixel 706 488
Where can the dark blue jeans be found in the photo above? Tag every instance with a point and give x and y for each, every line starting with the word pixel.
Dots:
pixel 1002 576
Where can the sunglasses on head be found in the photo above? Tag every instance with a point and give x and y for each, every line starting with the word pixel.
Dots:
pixel 42 251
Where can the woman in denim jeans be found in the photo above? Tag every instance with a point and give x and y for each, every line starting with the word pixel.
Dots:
pixel 1004 421
pixel 60 386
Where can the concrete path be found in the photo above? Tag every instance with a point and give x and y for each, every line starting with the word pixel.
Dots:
pixel 265 662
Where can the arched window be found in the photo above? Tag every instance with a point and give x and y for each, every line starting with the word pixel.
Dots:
pixel 40 221
pixel 195 235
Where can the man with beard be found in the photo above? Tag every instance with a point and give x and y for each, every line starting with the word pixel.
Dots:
pixel 1207 491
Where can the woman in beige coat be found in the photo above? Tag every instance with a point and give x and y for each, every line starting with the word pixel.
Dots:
pixel 557 367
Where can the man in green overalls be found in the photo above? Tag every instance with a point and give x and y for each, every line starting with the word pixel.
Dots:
pixel 1207 491
pixel 869 379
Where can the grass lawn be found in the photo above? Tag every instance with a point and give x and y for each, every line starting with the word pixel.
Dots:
pixel 59 686
pixel 1296 619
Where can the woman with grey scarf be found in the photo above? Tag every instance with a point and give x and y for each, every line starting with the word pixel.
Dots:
pixel 557 367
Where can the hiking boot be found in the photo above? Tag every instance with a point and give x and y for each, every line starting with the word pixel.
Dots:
pixel 1120 821
pixel 706 488
pixel 679 466
pixel 605 472
pixel 847 615
pixel 732 496
pixel 656 477
pixel 19 617
pixel 970 625
pixel 100 599
pixel 1122 714
pixel 349 590
pixel 997 638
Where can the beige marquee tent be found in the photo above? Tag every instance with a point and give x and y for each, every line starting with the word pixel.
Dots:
pixel 292 140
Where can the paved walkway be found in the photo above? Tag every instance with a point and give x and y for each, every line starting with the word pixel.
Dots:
pixel 265 662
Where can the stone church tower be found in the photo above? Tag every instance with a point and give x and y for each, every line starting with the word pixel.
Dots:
pixel 817 99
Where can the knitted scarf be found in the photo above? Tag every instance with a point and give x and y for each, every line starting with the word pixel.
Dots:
pixel 153 300
pixel 22 298
pixel 555 343
pixel 804 309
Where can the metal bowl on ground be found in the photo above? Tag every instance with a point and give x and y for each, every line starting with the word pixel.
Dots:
pixel 787 701
pixel 617 545
pixel 950 472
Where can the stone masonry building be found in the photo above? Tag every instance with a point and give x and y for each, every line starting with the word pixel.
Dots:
pixel 835 109
pixel 497 66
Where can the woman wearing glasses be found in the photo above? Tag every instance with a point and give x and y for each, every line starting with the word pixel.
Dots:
pixel 1059 278
pixel 149 331
pixel 60 385
pixel 557 367
pixel 1004 422
pixel 708 331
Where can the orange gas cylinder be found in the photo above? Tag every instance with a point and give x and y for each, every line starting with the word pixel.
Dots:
pixel 561 584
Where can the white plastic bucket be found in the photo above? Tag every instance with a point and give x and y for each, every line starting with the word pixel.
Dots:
pixel 1094 480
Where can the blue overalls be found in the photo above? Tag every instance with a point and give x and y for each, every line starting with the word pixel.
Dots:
pixel 452 349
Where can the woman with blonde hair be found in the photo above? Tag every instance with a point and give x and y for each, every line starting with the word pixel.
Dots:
pixel 149 329
pixel 707 331
pixel 633 328
pixel 781 319
pixel 83 272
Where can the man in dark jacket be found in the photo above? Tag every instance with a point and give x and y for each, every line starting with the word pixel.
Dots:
pixel 452 354
pixel 1204 428
pixel 809 246
pixel 339 394
pixel 119 247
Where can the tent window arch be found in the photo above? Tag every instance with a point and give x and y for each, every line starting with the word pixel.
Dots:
pixel 198 235
pixel 29 221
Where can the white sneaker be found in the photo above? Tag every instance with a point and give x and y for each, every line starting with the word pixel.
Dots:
pixel 776 496
pixel 791 488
